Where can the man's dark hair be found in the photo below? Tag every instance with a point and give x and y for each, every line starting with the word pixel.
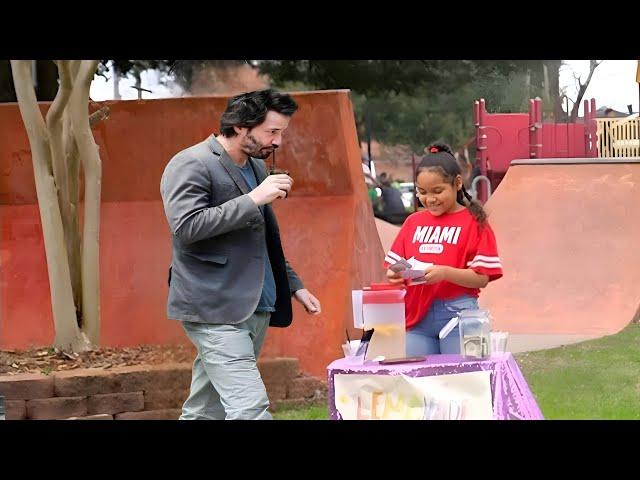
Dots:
pixel 250 109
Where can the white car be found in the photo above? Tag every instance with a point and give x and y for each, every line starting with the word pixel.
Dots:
pixel 408 191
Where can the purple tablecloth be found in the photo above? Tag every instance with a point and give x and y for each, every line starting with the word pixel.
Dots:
pixel 512 399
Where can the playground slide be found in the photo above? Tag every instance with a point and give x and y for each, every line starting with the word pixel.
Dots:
pixel 568 233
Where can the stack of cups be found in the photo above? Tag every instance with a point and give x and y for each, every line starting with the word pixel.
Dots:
pixel 499 342
pixel 350 349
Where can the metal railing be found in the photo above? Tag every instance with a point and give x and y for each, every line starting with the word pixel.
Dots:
pixel 474 186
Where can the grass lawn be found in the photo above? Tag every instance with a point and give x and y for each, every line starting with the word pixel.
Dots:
pixel 314 412
pixel 598 379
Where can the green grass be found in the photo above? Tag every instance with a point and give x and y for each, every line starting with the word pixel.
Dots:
pixel 598 379
pixel 314 412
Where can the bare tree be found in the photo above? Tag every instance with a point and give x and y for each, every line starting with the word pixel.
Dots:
pixel 582 88
pixel 58 145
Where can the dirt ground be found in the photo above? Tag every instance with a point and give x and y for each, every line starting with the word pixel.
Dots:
pixel 47 360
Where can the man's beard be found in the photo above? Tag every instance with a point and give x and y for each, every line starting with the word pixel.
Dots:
pixel 255 149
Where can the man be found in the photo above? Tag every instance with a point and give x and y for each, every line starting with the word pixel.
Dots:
pixel 391 206
pixel 229 279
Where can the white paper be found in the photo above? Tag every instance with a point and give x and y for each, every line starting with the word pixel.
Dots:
pixel 418 265
pixel 356 303
pixel 411 269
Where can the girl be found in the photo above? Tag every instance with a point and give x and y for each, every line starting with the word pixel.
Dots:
pixel 453 238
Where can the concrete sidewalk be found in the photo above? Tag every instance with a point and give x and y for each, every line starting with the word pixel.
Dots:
pixel 529 343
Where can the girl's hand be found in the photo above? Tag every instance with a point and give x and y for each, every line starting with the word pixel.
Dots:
pixel 394 277
pixel 436 273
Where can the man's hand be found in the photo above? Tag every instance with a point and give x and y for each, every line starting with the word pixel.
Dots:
pixel 310 303
pixel 274 186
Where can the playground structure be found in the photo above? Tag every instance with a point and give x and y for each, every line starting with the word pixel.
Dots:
pixel 563 219
pixel 503 137
pixel 326 224
pixel 568 246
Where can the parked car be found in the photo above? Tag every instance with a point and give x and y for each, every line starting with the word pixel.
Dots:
pixel 408 191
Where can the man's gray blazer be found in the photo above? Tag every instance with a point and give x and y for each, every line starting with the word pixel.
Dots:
pixel 218 235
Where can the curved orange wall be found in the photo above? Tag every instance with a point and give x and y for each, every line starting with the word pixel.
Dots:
pixel 328 229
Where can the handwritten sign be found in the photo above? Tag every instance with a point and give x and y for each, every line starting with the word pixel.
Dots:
pixel 461 396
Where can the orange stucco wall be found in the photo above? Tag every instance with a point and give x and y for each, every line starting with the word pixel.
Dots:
pixel 328 229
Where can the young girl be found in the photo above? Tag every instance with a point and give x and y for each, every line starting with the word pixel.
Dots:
pixel 453 237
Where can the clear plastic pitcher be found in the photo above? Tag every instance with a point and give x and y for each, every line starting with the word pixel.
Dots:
pixel 475 333
pixel 383 310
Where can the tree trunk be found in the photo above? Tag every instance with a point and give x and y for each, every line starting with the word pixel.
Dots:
pixel 68 335
pixel 72 162
pixel 55 125
pixel 136 75
pixel 92 167
pixel 116 84
pixel 553 70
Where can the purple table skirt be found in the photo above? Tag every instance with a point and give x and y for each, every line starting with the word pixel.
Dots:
pixel 512 399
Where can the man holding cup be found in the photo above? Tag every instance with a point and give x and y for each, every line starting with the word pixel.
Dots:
pixel 229 279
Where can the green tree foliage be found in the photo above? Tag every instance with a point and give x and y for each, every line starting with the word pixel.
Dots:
pixel 417 102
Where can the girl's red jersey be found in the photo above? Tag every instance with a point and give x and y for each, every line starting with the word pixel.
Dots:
pixel 453 239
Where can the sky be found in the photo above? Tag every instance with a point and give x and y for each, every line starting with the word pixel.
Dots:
pixel 613 84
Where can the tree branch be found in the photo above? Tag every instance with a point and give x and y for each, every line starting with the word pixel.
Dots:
pixel 577 79
pixel 27 102
pixel 55 124
pixel 92 168
pixel 55 128
pixel 593 64
pixel 99 115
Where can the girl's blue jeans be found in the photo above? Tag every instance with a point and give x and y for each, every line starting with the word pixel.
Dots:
pixel 423 338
